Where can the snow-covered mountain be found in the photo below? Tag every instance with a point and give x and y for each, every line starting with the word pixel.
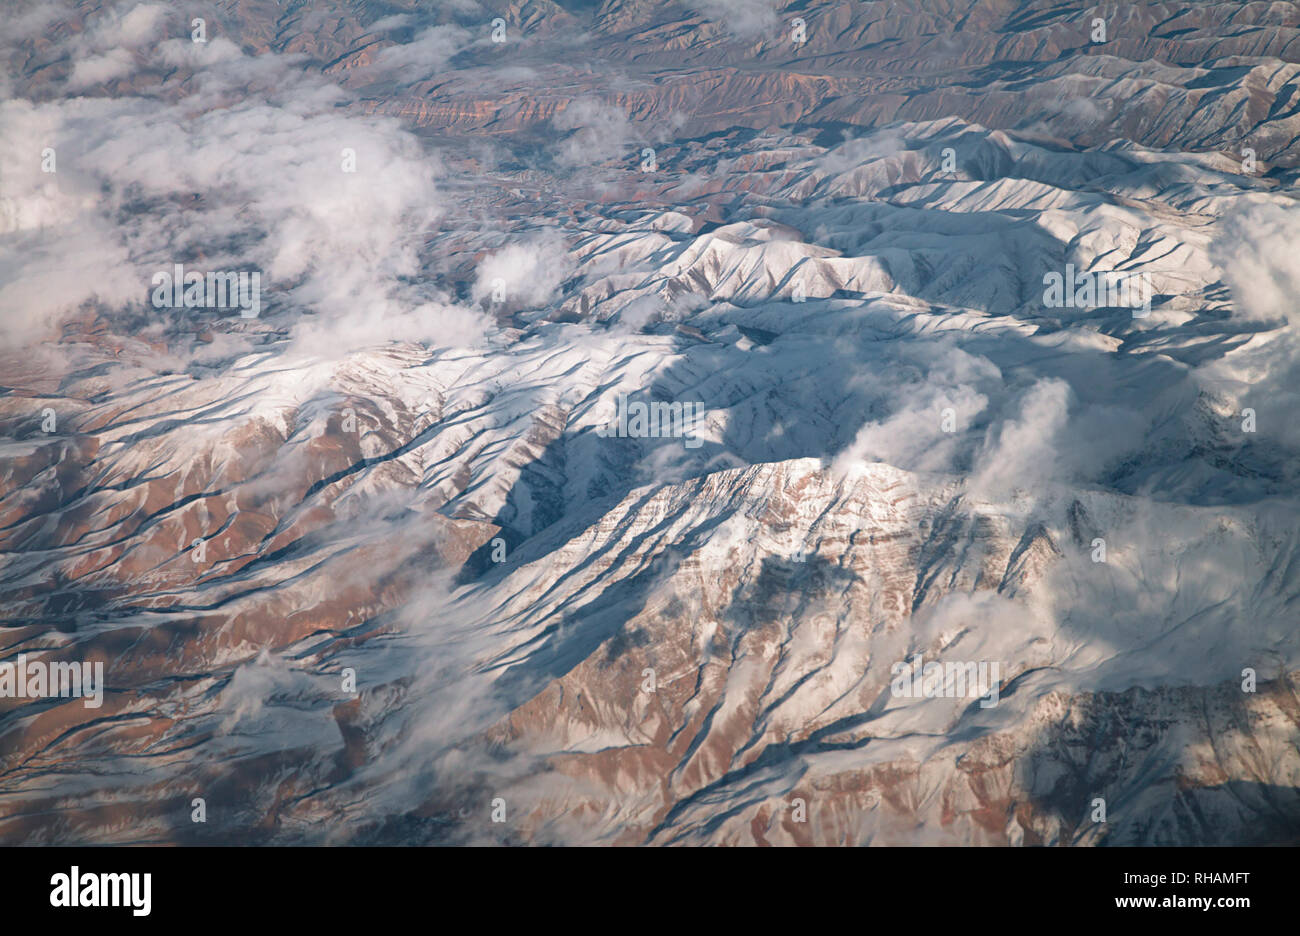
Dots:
pixel 400 559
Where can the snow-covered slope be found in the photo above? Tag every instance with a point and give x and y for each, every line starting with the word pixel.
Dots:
pixel 380 565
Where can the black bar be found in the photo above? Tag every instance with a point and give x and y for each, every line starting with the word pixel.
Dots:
pixel 337 886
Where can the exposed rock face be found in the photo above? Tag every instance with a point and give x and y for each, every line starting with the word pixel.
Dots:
pixel 381 566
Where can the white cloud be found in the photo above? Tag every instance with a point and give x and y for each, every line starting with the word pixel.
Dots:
pixel 245 172
pixel 396 21
pixel 428 52
pixel 603 132
pixel 114 64
pixel 1022 452
pixel 132 27
pixel 742 18
pixel 1256 250
pixel 531 271
pixel 916 393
